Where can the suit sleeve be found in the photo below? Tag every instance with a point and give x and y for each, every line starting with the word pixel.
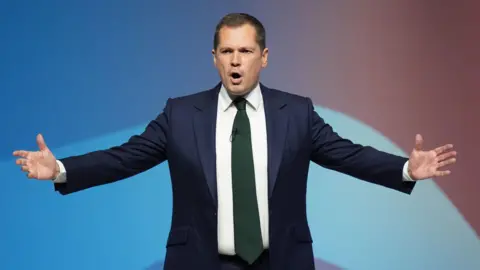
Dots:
pixel 333 152
pixel 140 153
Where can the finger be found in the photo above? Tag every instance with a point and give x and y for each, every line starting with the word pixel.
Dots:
pixel 32 173
pixel 442 173
pixel 21 153
pixel 447 155
pixel 444 148
pixel 25 168
pixel 41 142
pixel 447 162
pixel 21 161
pixel 418 142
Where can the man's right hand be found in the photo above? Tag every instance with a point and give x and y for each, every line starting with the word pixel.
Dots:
pixel 40 164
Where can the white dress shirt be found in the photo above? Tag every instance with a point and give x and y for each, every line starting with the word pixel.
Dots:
pixel 225 117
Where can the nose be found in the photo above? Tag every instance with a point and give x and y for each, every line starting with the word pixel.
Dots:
pixel 235 61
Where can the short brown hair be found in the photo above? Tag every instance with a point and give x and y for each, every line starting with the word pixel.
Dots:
pixel 239 19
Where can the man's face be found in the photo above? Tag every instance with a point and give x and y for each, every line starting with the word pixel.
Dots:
pixel 239 59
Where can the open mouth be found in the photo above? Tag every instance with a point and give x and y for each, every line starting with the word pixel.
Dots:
pixel 236 77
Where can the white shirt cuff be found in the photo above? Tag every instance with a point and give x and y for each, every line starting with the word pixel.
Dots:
pixel 62 176
pixel 406 175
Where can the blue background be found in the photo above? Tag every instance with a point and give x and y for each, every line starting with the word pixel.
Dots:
pixel 88 75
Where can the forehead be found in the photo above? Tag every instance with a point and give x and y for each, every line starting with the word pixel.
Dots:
pixel 239 36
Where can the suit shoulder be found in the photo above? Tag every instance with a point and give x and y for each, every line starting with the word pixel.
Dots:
pixel 291 97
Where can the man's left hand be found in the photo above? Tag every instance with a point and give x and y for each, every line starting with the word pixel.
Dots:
pixel 427 164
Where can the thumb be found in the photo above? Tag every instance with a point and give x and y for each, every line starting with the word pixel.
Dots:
pixel 418 142
pixel 41 143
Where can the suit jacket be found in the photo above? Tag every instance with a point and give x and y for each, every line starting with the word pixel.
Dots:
pixel 184 134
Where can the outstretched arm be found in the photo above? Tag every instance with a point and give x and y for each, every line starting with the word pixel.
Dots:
pixel 140 153
pixel 363 162
pixel 331 151
pixel 367 163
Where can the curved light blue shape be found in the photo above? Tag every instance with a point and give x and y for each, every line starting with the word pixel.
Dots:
pixel 359 225
pixel 124 225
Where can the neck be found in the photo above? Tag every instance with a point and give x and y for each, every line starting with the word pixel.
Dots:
pixel 234 95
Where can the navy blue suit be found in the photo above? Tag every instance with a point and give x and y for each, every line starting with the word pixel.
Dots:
pixel 184 134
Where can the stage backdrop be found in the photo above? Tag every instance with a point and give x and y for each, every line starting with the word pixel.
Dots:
pixel 90 74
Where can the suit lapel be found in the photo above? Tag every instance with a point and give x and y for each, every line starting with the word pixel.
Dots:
pixel 204 128
pixel 277 122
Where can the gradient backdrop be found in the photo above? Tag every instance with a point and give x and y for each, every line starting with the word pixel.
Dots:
pixel 89 74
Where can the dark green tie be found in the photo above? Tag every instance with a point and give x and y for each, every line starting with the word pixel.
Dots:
pixel 246 220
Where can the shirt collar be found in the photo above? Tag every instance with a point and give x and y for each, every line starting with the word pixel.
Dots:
pixel 253 98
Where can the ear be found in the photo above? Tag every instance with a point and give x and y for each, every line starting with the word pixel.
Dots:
pixel 214 58
pixel 265 57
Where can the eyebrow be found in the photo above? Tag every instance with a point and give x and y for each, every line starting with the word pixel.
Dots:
pixel 241 48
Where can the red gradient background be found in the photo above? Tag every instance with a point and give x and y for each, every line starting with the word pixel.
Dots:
pixel 402 67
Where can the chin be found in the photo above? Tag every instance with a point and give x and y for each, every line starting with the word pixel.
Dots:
pixel 237 90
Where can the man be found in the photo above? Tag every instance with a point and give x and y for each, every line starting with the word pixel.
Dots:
pixel 238 156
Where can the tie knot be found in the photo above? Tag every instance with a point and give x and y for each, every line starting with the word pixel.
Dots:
pixel 240 103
